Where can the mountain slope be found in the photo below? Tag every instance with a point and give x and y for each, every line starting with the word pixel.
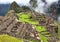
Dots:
pixel 22 26
pixel 28 25
pixel 14 6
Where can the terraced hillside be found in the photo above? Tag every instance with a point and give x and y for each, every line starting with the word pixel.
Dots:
pixel 28 26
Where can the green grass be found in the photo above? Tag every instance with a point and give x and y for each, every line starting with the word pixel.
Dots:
pixel 26 18
pixel 7 38
pixel 44 39
pixel 40 28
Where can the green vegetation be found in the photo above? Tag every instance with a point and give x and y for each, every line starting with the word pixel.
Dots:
pixel 26 18
pixel 7 38
pixel 44 39
pixel 57 24
pixel 40 28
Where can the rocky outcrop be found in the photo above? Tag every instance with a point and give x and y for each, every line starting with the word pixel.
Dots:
pixel 14 6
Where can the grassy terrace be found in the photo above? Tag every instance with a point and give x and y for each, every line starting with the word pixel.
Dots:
pixel 7 38
pixel 26 18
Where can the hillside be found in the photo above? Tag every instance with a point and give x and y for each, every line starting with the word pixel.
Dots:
pixel 12 26
pixel 22 23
